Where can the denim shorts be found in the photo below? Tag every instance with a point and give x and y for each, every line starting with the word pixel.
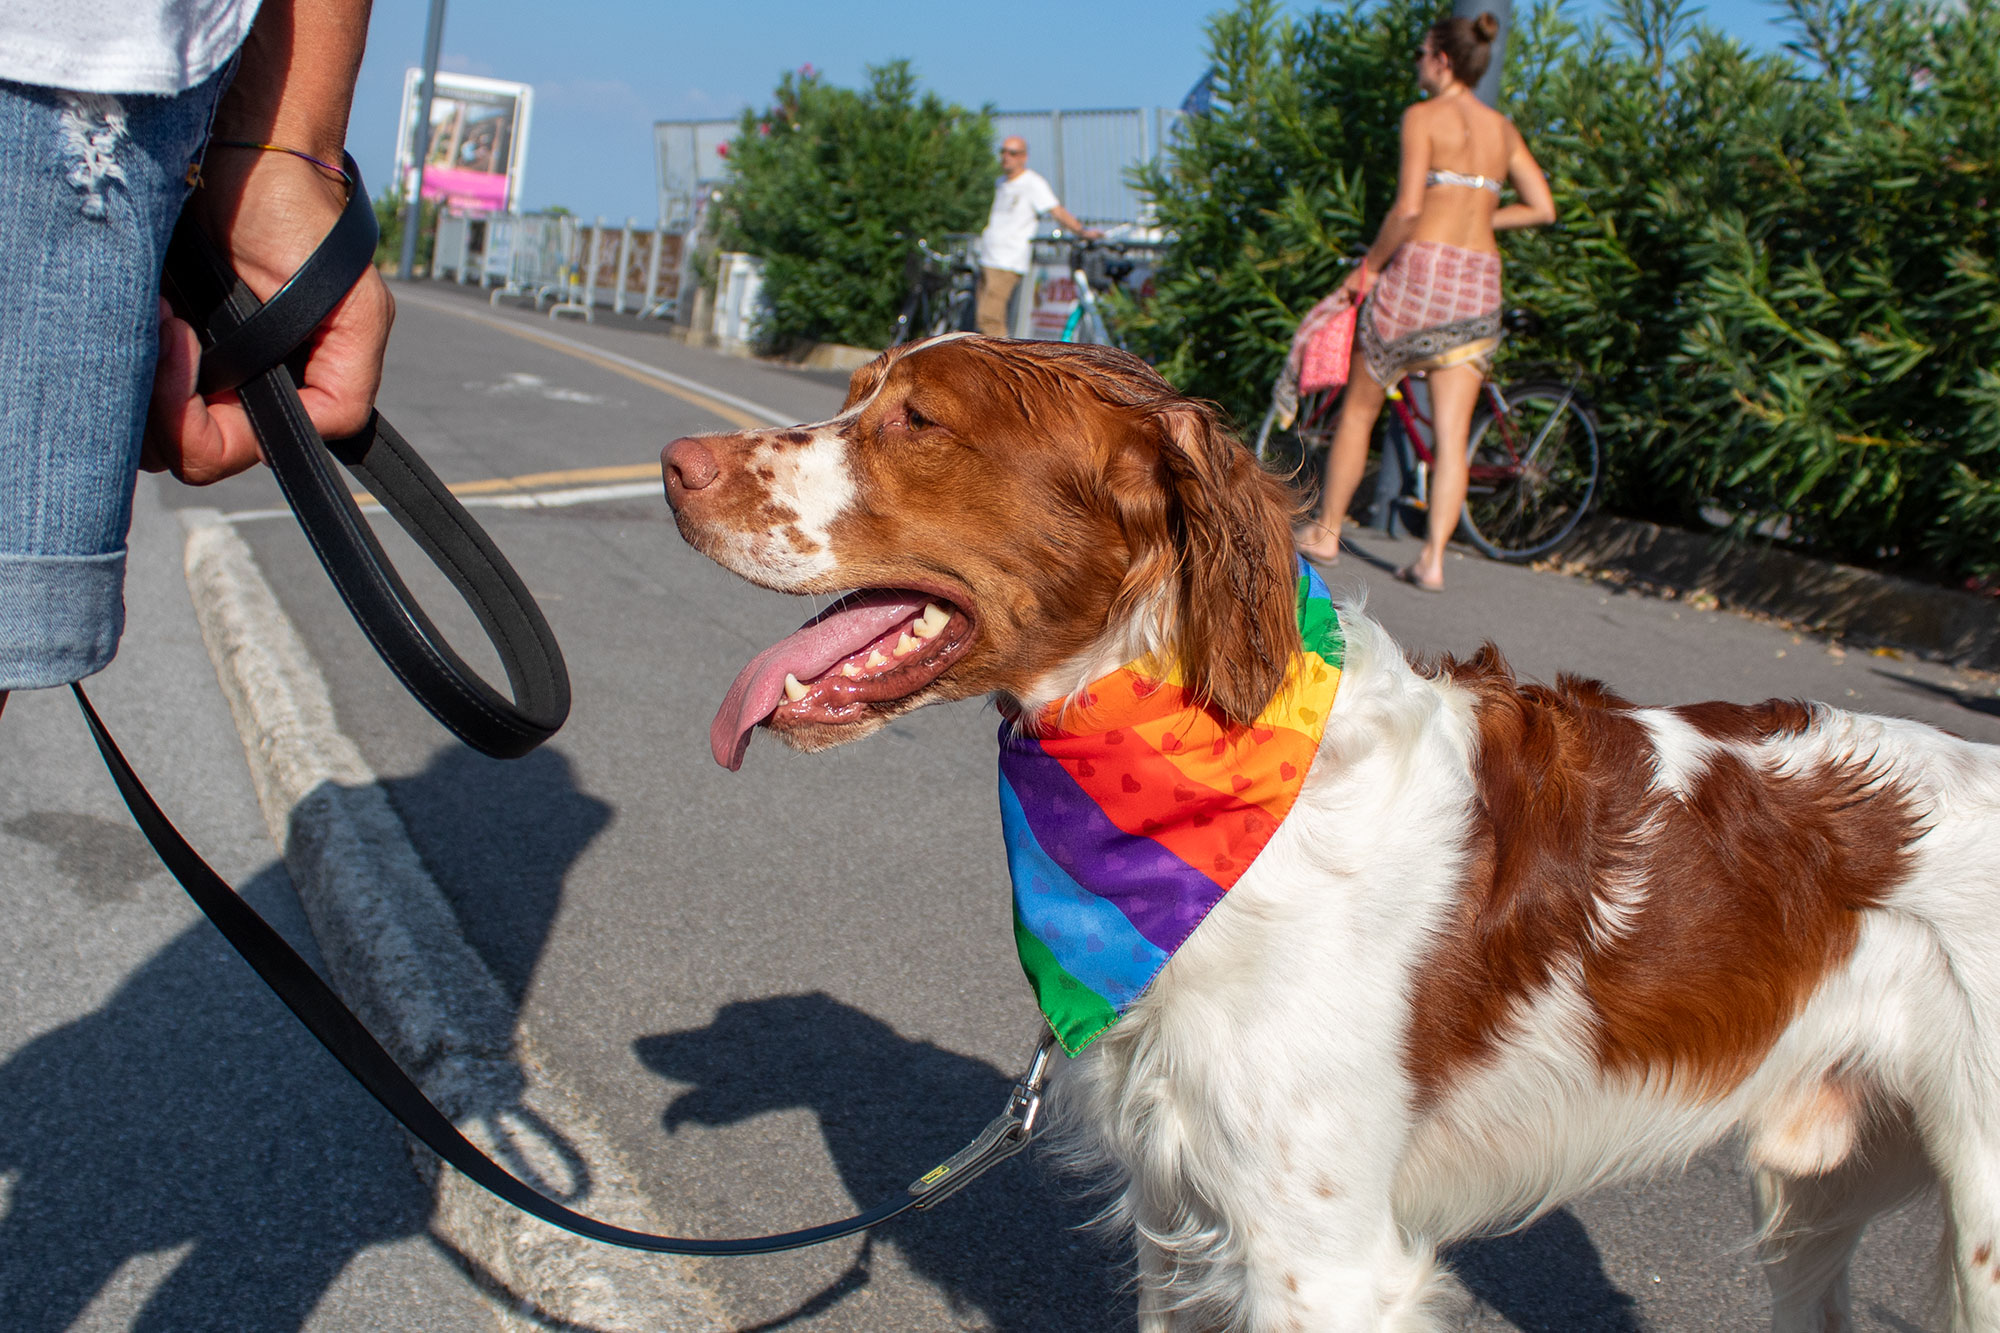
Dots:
pixel 90 185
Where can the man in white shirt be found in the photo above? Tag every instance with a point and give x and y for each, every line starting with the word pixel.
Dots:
pixel 1020 197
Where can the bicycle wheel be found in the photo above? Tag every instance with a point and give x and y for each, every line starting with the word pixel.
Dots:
pixel 949 313
pixel 1533 472
pixel 910 320
pixel 1303 444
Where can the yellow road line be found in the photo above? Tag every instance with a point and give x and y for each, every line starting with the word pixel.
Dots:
pixel 528 481
pixel 582 476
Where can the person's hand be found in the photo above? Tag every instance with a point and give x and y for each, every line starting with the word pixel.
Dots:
pixel 1355 285
pixel 1093 233
pixel 266 212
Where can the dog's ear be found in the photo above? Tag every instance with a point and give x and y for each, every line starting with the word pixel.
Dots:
pixel 1228 521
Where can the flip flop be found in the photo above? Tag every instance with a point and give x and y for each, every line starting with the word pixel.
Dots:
pixel 1408 574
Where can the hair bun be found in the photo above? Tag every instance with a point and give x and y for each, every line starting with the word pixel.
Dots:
pixel 1486 27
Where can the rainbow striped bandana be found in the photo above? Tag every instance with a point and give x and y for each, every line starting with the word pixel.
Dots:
pixel 1135 810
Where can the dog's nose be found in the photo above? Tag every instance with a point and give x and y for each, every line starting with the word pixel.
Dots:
pixel 686 465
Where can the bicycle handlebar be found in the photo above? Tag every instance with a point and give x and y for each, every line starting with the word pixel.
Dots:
pixel 1110 272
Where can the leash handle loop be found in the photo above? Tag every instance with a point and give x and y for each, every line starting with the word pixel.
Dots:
pixel 329 1019
pixel 245 347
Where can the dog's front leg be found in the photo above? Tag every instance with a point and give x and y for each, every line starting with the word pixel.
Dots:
pixel 1291 1252
pixel 1342 1267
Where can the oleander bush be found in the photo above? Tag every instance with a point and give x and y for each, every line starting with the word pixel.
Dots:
pixel 1779 270
pixel 831 185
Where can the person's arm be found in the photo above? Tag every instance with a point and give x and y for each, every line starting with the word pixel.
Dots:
pixel 1403 212
pixel 268 211
pixel 1068 219
pixel 1535 205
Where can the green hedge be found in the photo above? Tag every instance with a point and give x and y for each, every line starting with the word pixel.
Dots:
pixel 1779 270
pixel 833 185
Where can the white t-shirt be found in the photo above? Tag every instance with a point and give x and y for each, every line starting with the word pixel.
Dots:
pixel 120 46
pixel 1010 227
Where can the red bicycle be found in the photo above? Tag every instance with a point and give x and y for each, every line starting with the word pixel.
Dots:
pixel 1533 465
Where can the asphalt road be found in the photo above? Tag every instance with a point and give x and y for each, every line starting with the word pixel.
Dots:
pixel 789 990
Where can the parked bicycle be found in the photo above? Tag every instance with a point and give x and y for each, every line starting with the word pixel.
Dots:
pixel 1533 463
pixel 1095 266
pixel 943 290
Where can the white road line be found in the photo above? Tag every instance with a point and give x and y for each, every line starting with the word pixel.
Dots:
pixel 556 499
pixel 771 415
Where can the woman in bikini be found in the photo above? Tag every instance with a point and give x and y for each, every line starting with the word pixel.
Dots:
pixel 1436 306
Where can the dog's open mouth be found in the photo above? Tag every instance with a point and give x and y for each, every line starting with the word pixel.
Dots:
pixel 868 649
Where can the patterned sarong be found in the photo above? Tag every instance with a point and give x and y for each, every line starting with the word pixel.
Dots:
pixel 1436 305
pixel 1134 810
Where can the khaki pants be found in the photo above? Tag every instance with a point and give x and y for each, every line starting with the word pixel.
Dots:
pixel 996 288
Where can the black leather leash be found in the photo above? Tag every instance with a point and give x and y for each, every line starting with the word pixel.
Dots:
pixel 328 1018
pixel 237 334
pixel 244 348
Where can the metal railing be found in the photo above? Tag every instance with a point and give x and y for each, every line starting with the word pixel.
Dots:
pixel 573 267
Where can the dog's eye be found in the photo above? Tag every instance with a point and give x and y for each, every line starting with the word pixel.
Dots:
pixel 914 419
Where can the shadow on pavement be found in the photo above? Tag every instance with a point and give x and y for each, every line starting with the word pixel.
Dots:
pixel 889 1108
pixel 191 1110
pixel 887 1105
pixel 1986 704
pixel 1548 1276
pixel 499 836
pixel 191 1116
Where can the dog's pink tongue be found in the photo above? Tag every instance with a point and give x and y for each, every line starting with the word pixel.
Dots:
pixel 844 628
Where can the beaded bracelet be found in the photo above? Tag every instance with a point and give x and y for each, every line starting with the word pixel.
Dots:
pixel 279 148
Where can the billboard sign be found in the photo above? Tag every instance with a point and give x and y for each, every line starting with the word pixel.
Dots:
pixel 476 145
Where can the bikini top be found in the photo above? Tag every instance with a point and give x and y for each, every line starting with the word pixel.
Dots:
pixel 1460 178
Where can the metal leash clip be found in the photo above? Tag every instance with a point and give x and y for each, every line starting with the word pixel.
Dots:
pixel 1005 1135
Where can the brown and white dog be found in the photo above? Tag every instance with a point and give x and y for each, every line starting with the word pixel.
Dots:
pixel 1513 942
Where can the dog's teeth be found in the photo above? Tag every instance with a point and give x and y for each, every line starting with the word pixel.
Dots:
pixel 931 621
pixel 793 690
pixel 851 670
pixel 905 645
pixel 875 659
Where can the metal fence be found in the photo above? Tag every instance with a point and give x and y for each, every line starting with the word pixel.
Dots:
pixel 1085 155
pixel 556 260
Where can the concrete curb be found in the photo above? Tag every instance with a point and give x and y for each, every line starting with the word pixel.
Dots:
pixel 1938 623
pixel 397 955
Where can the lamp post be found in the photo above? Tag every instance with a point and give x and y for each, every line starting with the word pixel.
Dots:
pixel 413 206
pixel 1488 89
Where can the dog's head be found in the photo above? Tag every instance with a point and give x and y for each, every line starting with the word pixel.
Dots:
pixel 1002 517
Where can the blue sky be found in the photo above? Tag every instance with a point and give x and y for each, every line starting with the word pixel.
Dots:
pixel 605 70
